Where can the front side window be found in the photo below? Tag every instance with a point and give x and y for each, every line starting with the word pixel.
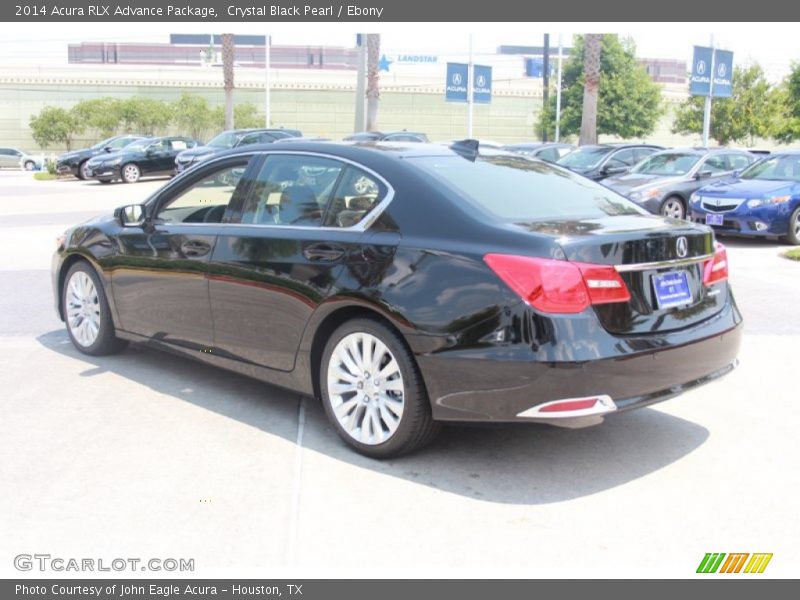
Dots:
pixel 292 190
pixel 667 163
pixel 737 162
pixel 624 157
pixel 516 189
pixel 715 164
pixel 204 201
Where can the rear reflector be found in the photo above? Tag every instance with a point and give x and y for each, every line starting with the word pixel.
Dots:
pixel 568 405
pixel 570 408
pixel 559 286
pixel 716 269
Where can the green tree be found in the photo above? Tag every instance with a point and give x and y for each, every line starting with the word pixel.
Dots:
pixel 145 115
pixel 246 115
pixel 54 125
pixel 751 112
pixel 786 102
pixel 628 104
pixel 194 116
pixel 103 114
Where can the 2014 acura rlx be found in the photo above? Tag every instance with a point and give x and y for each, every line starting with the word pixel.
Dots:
pixel 408 285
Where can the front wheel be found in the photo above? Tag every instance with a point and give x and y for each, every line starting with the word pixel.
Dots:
pixel 29 165
pixel 793 234
pixel 673 207
pixel 130 173
pixel 83 170
pixel 86 312
pixel 372 391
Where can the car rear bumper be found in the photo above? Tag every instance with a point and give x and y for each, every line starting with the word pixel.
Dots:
pixel 510 382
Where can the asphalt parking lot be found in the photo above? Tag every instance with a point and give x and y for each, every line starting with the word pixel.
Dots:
pixel 145 454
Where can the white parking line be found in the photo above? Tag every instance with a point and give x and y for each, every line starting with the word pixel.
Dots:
pixel 297 481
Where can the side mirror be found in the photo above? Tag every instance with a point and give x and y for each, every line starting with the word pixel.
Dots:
pixel 133 215
pixel 107 149
pixel 614 170
pixel 703 175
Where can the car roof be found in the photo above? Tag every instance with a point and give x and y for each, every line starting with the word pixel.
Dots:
pixel 357 149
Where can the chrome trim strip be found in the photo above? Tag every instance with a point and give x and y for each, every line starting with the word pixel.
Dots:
pixel 663 264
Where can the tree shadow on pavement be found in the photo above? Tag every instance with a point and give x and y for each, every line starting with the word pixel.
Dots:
pixel 512 464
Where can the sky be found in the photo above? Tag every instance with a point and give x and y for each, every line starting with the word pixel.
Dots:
pixel 773 45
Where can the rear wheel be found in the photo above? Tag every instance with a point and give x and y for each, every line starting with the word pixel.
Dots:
pixel 673 207
pixel 29 165
pixel 793 234
pixel 373 392
pixel 130 173
pixel 82 168
pixel 86 312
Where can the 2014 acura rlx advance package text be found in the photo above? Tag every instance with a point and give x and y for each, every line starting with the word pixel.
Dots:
pixel 407 285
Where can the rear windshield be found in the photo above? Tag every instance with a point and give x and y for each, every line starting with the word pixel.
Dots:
pixel 584 158
pixel 514 188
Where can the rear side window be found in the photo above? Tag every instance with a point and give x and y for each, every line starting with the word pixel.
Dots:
pixel 292 190
pixel 517 189
pixel 356 195
pixel 551 154
pixel 715 164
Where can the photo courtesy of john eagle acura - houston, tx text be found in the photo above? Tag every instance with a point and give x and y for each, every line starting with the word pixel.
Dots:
pixel 407 285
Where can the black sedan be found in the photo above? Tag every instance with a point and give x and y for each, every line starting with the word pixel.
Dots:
pixel 406 286
pixel 664 182
pixel 599 161
pixel 549 151
pixel 75 162
pixel 147 156
pixel 233 138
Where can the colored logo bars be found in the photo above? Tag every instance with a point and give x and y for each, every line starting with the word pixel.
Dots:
pixel 713 562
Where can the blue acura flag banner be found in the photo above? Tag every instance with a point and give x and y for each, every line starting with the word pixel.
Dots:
pixel 723 74
pixel 700 82
pixel 456 83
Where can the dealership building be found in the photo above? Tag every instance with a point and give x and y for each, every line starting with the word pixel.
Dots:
pixel 312 88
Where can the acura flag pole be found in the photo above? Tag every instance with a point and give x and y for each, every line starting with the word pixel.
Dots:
pixel 707 107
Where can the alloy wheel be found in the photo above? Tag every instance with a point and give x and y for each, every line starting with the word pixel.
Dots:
pixel 83 309
pixel 672 208
pixel 130 173
pixel 366 388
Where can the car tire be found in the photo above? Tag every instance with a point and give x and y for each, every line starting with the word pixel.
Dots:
pixel 29 165
pixel 130 173
pixel 82 170
pixel 673 207
pixel 793 233
pixel 396 419
pixel 86 312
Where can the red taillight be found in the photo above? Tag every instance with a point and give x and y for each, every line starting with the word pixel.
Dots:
pixel 716 269
pixel 559 286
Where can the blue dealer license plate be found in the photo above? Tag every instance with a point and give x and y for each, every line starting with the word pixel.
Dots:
pixel 672 289
pixel 713 219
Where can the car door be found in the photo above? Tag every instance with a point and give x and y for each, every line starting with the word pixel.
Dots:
pixel 159 273
pixel 303 218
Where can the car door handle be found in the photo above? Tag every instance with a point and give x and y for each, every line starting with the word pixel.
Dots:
pixel 323 252
pixel 195 248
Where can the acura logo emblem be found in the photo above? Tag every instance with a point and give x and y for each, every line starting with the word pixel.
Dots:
pixel 682 247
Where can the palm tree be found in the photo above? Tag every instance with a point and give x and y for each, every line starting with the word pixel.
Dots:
pixel 227 75
pixel 373 92
pixel 591 85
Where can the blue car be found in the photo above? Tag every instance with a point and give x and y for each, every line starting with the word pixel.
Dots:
pixel 763 201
